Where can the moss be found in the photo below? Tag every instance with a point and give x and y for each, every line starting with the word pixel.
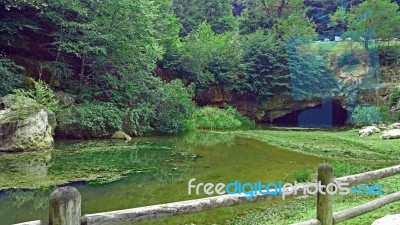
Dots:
pixel 91 161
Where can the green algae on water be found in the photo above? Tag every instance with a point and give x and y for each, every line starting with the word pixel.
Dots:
pixel 90 161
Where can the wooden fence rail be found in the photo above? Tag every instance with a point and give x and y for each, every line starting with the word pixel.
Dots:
pixel 65 203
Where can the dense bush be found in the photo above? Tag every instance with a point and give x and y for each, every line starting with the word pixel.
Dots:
pixel 42 94
pixel 366 115
pixel 9 78
pixel 218 119
pixel 136 121
pixel 264 66
pixel 171 106
pixel 388 116
pixel 209 58
pixel 89 120
pixel 394 96
pixel 348 58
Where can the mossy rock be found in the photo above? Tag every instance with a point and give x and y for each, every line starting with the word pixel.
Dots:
pixel 25 125
pixel 121 135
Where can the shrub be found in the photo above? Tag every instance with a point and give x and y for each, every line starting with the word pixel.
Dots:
pixel 89 120
pixel 171 105
pixel 136 121
pixel 42 94
pixel 366 115
pixel 264 66
pixel 220 119
pixel 394 96
pixel 348 58
pixel 302 176
pixel 389 116
pixel 9 78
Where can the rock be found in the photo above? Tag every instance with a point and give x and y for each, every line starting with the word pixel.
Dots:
pixel 279 105
pixel 395 126
pixel 25 125
pixel 388 220
pixel 382 126
pixel 338 39
pixel 366 131
pixel 65 99
pixel 391 134
pixel 121 135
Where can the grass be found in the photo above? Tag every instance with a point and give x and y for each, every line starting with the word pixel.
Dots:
pixel 304 208
pixel 343 145
pixel 335 145
pixel 212 118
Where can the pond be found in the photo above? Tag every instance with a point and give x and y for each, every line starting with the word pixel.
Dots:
pixel 115 175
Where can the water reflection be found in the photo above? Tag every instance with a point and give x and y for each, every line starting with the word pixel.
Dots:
pixel 145 171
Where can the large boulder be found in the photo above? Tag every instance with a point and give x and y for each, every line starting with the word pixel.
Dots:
pixel 366 131
pixel 25 125
pixel 395 126
pixel 391 134
pixel 388 220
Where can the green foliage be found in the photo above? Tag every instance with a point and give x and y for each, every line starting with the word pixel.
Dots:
pixel 366 115
pixel 266 14
pixel 192 13
pixel 388 116
pixel 171 105
pixel 42 94
pixel 264 66
pixel 371 16
pixel 209 58
pixel 9 78
pixel 295 26
pixel 254 17
pixel 23 106
pixel 348 58
pixel 218 119
pixel 394 96
pixel 302 176
pixel 345 168
pixel 89 120
pixel 310 75
pixel 136 121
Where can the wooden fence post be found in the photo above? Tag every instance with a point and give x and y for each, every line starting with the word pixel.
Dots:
pixel 325 201
pixel 65 207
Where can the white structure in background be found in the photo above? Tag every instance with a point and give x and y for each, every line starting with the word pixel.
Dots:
pixel 348 39
pixel 326 40
pixel 338 39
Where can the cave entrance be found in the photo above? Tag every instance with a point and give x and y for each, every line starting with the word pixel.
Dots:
pixel 325 115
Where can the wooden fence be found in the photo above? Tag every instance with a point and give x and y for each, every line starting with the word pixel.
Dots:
pixel 65 203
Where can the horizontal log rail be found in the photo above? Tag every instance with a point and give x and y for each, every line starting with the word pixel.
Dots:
pixel 130 216
pixel 347 214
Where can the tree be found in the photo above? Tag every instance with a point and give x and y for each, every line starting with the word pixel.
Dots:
pixel 264 14
pixel 375 17
pixel 295 26
pixel 264 66
pixel 9 77
pixel 194 12
pixel 210 58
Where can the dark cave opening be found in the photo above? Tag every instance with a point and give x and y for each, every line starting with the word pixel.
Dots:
pixel 325 115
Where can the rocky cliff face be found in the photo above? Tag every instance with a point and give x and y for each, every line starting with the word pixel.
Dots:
pixel 280 105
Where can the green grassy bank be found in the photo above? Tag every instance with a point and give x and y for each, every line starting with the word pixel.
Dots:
pixel 343 145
